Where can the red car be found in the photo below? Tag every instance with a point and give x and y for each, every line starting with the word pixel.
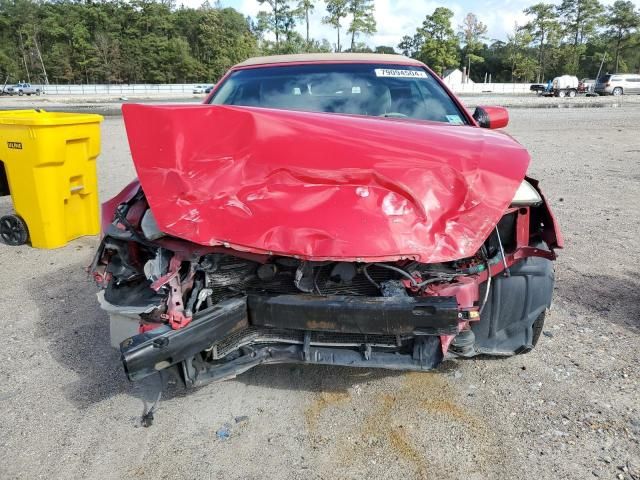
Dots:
pixel 338 209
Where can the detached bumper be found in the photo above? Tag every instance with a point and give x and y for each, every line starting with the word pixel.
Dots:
pixel 332 330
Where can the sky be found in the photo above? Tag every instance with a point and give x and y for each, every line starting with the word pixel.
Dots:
pixel 396 18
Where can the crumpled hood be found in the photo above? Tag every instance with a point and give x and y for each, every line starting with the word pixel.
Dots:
pixel 322 186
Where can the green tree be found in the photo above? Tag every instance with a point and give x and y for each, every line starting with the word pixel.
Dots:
pixel 280 19
pixel 410 45
pixel 543 27
pixel 385 49
pixel 622 20
pixel 472 33
pixel 337 10
pixel 579 20
pixel 362 19
pixel 437 42
pixel 522 65
pixel 304 9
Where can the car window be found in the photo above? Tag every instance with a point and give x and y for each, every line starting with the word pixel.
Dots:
pixel 357 89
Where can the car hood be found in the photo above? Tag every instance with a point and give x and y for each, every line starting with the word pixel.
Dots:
pixel 322 186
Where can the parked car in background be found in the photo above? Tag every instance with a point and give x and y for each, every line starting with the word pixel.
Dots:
pixel 198 89
pixel 209 88
pixel 618 84
pixel 538 87
pixel 336 209
pixel 22 89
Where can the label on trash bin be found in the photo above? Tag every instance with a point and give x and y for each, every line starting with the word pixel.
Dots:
pixel 15 145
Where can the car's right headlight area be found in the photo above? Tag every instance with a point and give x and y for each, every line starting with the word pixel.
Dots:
pixel 526 196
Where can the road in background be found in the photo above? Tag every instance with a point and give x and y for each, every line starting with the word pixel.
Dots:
pixel 568 410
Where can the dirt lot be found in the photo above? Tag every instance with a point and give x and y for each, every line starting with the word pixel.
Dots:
pixel 568 410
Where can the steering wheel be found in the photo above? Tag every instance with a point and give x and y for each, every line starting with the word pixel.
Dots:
pixel 393 115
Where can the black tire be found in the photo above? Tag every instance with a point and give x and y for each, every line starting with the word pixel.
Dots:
pixel 561 94
pixel 13 230
pixel 538 325
pixel 20 93
pixel 572 93
pixel 617 92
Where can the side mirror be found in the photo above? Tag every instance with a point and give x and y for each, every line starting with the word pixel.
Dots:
pixel 491 117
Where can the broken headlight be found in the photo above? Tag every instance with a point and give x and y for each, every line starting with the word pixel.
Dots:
pixel 526 196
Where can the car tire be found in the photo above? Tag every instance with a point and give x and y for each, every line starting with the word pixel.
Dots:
pixel 572 93
pixel 617 92
pixel 20 93
pixel 561 94
pixel 13 230
pixel 538 325
pixel 38 93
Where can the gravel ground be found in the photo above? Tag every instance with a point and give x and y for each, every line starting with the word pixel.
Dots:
pixel 568 410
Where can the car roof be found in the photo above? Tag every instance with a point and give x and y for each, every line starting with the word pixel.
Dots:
pixel 329 58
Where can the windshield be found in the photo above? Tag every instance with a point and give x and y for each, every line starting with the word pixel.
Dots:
pixel 397 91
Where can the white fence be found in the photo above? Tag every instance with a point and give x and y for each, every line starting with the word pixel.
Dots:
pixel 121 90
pixel 187 89
pixel 502 88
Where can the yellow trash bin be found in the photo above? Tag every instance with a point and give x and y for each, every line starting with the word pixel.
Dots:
pixel 49 163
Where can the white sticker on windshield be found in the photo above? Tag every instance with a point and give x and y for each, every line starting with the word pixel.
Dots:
pixel 454 119
pixel 391 72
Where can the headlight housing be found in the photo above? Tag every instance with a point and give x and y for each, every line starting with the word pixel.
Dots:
pixel 526 196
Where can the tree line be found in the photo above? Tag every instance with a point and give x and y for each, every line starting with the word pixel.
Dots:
pixel 577 37
pixel 152 41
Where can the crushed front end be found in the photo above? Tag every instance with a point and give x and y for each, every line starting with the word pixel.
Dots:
pixel 214 312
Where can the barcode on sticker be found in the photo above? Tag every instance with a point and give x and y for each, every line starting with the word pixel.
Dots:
pixel 392 72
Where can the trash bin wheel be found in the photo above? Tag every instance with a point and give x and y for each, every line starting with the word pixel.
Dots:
pixel 13 230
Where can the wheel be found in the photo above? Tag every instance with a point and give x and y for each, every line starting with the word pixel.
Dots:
pixel 13 230
pixel 20 93
pixel 561 93
pixel 617 92
pixel 38 92
pixel 538 325
pixel 572 93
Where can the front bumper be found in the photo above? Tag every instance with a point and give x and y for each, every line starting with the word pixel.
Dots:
pixel 240 333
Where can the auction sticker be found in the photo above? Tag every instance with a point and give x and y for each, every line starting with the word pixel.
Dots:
pixel 394 73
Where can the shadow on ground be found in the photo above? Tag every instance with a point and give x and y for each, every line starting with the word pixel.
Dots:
pixel 77 334
pixel 615 298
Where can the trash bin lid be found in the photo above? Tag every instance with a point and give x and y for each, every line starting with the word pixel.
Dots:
pixel 44 118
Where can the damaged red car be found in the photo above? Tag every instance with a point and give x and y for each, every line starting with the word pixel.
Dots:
pixel 337 209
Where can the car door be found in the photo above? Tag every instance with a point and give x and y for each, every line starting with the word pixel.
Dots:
pixel 634 84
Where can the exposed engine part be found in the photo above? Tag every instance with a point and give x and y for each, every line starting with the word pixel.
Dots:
pixel 393 288
pixel 203 295
pixel 157 266
pixel 343 272
pixel 149 226
pixel 304 279
pixel 463 343
pixel 267 272
pixel 504 259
